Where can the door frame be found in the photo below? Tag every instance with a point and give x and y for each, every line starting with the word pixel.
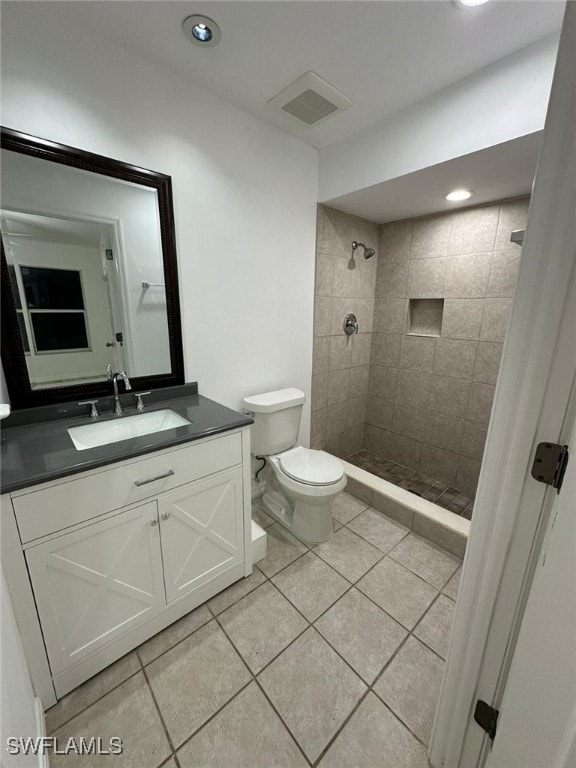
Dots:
pixel 530 406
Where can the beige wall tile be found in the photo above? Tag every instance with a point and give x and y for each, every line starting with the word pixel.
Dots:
pixel 322 316
pixel 444 431
pixel 361 346
pixel 513 215
pixel 377 440
pixel 455 358
pixel 426 278
pixel 382 382
pixel 340 308
pixel 495 319
pixel 410 422
pixel 385 349
pixel 356 412
pixel 338 384
pixel 379 412
pixel 359 381
pixel 404 451
pixel 412 388
pixel 474 230
pixel 340 352
pixel 337 445
pixel 417 354
pixel 395 241
pixel 473 440
pixel 448 395
pixel 364 314
pixel 467 475
pixel 337 419
pixel 318 425
pixel 430 237
pixel 324 274
pixel 352 441
pixel 467 276
pixel 321 355
pixel 391 279
pixel 320 391
pixel 389 316
pixel 504 274
pixel 439 464
pixel 488 361
pixel 344 279
pixel 462 318
pixel 480 404
pixel 366 269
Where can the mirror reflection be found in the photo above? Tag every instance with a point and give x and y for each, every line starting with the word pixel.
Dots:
pixel 84 256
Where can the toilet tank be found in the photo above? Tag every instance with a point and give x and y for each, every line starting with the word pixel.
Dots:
pixel 276 420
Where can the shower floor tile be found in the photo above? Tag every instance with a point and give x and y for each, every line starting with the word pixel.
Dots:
pixel 428 488
pixel 359 662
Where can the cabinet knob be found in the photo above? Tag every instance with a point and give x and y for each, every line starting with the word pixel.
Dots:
pixel 154 521
pixel 165 515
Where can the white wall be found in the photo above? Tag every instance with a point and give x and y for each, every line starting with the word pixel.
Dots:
pixel 17 714
pixel 244 194
pixel 497 104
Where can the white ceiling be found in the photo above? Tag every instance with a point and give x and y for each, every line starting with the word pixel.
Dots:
pixel 49 229
pixel 382 55
pixel 497 173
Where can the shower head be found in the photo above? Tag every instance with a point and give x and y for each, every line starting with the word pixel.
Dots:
pixel 368 252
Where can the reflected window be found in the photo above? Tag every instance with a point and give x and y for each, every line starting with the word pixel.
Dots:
pixel 54 303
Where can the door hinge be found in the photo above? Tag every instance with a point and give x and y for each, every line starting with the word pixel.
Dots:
pixel 109 254
pixel 486 717
pixel 550 464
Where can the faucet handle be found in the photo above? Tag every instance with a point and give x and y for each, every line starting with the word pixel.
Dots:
pixel 93 411
pixel 139 403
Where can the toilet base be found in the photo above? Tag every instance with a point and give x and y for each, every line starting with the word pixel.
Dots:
pixel 301 519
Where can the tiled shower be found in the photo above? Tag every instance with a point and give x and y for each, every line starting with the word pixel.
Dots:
pixel 409 396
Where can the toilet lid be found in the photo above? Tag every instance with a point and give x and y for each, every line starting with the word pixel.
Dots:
pixel 311 467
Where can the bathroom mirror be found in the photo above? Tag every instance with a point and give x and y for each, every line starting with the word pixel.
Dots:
pixel 89 274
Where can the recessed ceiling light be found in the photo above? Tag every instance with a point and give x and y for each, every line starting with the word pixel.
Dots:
pixel 458 194
pixel 469 3
pixel 202 31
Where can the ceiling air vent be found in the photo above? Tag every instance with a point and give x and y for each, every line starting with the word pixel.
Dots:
pixel 310 100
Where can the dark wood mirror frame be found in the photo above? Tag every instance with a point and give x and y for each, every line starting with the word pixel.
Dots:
pixel 13 358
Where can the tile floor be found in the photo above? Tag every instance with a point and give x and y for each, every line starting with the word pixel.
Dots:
pixel 434 490
pixel 328 656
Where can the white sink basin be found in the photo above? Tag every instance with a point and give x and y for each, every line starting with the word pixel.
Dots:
pixel 124 428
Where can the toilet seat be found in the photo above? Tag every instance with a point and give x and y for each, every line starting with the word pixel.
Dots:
pixel 310 467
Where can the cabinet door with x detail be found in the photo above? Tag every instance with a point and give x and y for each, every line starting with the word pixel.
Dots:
pixel 202 531
pixel 97 582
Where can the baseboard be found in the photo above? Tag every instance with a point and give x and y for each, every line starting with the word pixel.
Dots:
pixel 43 761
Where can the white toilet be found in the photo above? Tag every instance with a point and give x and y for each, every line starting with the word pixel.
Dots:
pixel 300 482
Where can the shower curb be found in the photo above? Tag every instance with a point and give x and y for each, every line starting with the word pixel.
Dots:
pixel 443 528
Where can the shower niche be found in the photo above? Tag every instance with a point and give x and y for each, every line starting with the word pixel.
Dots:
pixel 425 317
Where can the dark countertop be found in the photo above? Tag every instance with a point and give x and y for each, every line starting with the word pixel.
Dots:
pixel 36 447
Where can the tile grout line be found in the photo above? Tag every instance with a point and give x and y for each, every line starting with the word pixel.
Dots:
pixel 80 711
pixel 160 715
pixel 309 625
pixel 255 679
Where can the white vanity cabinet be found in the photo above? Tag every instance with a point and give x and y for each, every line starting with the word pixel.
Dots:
pixel 99 562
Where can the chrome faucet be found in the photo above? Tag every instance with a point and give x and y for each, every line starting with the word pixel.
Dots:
pixel 114 378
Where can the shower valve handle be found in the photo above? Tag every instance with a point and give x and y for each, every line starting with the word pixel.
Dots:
pixel 350 324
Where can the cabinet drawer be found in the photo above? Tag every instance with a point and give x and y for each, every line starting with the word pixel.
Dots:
pixel 73 501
